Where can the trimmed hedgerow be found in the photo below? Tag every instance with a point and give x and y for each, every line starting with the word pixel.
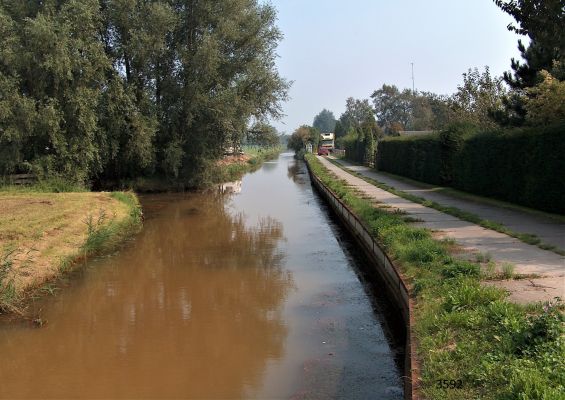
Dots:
pixel 524 166
pixel 418 157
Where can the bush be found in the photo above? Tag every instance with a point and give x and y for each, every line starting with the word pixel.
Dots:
pixel 523 166
pixel 417 157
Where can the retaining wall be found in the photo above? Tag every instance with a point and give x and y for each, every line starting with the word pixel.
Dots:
pixel 392 279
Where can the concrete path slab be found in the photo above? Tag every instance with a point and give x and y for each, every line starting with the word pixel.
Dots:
pixel 548 267
pixel 549 230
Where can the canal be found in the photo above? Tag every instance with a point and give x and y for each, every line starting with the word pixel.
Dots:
pixel 251 291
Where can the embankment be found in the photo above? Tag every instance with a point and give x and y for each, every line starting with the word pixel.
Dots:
pixel 468 339
pixel 227 169
pixel 232 168
pixel 397 288
pixel 45 235
pixel 395 285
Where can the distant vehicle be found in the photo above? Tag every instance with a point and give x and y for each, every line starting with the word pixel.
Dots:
pixel 322 151
pixel 327 141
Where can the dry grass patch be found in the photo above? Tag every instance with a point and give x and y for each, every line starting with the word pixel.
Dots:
pixel 41 231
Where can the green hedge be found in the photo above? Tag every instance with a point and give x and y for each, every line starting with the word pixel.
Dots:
pixel 523 166
pixel 417 157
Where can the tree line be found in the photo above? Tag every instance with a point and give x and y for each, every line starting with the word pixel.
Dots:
pixel 108 90
pixel 532 94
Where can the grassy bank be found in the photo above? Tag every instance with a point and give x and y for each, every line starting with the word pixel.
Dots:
pixel 472 343
pixel 528 238
pixel 233 169
pixel 43 235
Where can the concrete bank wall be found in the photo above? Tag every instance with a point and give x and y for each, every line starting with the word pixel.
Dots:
pixel 392 279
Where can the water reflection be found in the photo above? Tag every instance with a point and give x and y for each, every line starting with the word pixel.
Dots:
pixel 230 187
pixel 194 310
pixel 214 300
pixel 297 172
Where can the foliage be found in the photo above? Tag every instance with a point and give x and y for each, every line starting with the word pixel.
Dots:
pixel 465 330
pixel 392 106
pixel 325 121
pixel 475 101
pixel 415 157
pixel 356 113
pixel 407 110
pixel 339 130
pixel 360 143
pixel 358 121
pixel 302 136
pixel 263 135
pixel 108 90
pixel 546 101
pixel 230 172
pixel 542 22
pixel 515 165
pixel 478 98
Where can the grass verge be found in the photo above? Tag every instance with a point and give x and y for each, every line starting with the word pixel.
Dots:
pixel 528 238
pixel 44 235
pixel 472 343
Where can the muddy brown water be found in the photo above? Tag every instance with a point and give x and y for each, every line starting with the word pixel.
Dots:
pixel 257 293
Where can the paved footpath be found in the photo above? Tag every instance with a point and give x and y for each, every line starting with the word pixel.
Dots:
pixel 548 267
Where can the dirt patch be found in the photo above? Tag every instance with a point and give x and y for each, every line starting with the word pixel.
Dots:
pixel 234 159
pixel 524 291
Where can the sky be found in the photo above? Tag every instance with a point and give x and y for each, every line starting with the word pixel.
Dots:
pixel 335 49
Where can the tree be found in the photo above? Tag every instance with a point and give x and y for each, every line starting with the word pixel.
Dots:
pixel 264 135
pixel 221 74
pixel 542 21
pixel 478 98
pixel 421 114
pixel 356 112
pixel 302 136
pixel 546 101
pixel 442 114
pixel 359 122
pixel 392 106
pixel 60 68
pixel 113 89
pixel 17 112
pixel 339 130
pixel 325 121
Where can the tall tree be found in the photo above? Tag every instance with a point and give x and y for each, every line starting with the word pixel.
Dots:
pixel 108 89
pixel 302 136
pixel 224 64
pixel 61 68
pixel 264 135
pixel 478 99
pixel 542 21
pixel 359 122
pixel 356 113
pixel 392 106
pixel 325 121
pixel 17 111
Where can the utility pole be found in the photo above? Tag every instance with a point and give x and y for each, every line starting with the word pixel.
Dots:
pixel 413 90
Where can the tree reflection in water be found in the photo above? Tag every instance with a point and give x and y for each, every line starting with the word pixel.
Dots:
pixel 191 309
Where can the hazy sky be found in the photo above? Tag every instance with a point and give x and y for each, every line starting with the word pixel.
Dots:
pixel 334 49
